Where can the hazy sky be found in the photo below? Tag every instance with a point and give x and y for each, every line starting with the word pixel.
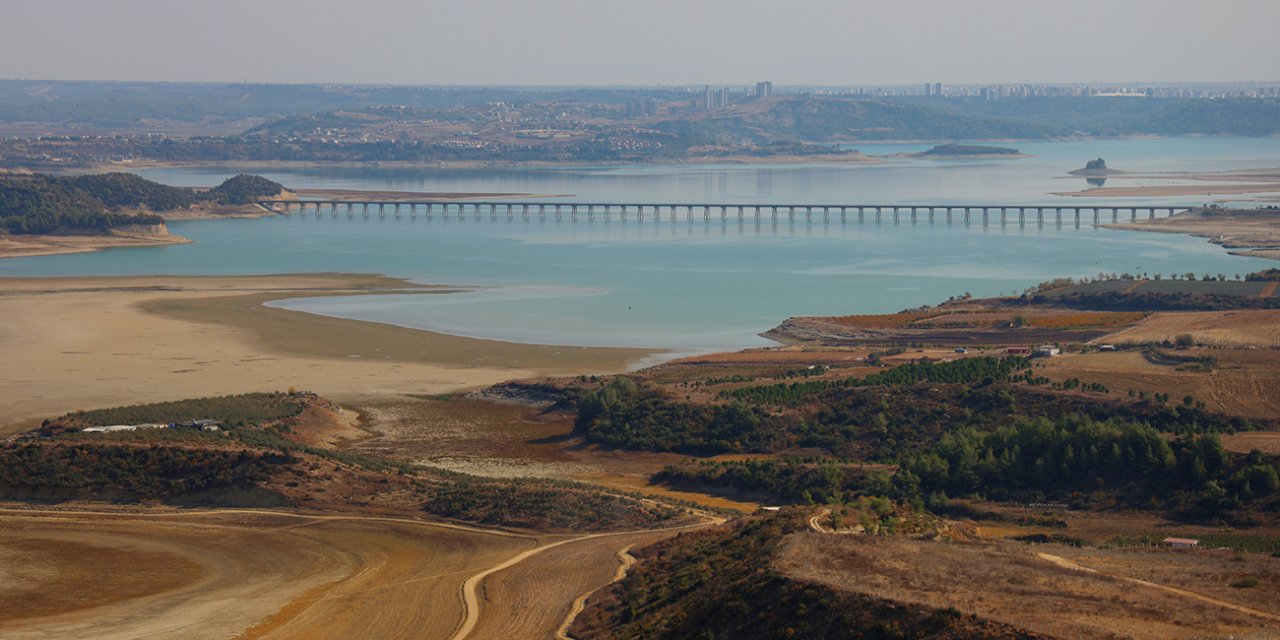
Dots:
pixel 671 42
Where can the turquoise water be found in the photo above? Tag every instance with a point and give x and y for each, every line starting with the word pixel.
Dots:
pixel 689 286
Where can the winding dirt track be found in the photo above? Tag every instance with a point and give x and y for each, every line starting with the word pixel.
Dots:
pixel 533 594
pixel 625 562
pixel 1068 564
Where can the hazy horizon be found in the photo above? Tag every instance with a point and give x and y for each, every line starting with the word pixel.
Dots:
pixel 558 43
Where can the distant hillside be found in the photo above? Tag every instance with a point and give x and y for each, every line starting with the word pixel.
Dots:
pixel 834 119
pixel 40 203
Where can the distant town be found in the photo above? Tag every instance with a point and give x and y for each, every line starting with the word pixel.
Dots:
pixel 47 125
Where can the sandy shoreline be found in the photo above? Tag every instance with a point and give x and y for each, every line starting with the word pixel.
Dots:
pixel 44 245
pixel 86 342
pixel 1243 181
pixel 1251 234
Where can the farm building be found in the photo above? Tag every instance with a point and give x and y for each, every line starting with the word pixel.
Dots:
pixel 1047 351
pixel 1182 543
pixel 1018 351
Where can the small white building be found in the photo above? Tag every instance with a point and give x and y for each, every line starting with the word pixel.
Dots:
pixel 1182 543
pixel 1047 351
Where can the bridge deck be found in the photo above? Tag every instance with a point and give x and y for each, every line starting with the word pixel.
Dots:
pixel 740 212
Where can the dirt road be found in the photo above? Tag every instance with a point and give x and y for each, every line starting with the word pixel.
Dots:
pixel 532 594
pixel 1069 564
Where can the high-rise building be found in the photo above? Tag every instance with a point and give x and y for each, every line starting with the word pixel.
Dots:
pixel 722 98
pixel 937 88
pixel 642 107
pixel 764 89
pixel 928 89
pixel 707 98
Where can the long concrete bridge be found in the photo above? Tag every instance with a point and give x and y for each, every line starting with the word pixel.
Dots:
pixel 721 212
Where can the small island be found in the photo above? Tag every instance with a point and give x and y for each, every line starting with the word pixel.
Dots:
pixel 1095 168
pixel 969 151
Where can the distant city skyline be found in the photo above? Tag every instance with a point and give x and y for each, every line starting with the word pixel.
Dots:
pixel 656 43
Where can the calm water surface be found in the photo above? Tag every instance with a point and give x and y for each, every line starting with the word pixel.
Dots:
pixel 691 286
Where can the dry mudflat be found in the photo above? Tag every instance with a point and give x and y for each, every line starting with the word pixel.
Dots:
pixel 84 343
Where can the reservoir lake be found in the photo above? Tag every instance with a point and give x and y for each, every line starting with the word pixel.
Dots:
pixel 695 286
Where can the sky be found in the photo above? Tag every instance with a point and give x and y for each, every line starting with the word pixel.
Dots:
pixel 641 42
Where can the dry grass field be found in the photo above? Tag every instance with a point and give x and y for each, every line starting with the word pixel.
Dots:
pixel 1265 441
pixel 1245 383
pixel 235 574
pixel 1051 589
pixel 1214 328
